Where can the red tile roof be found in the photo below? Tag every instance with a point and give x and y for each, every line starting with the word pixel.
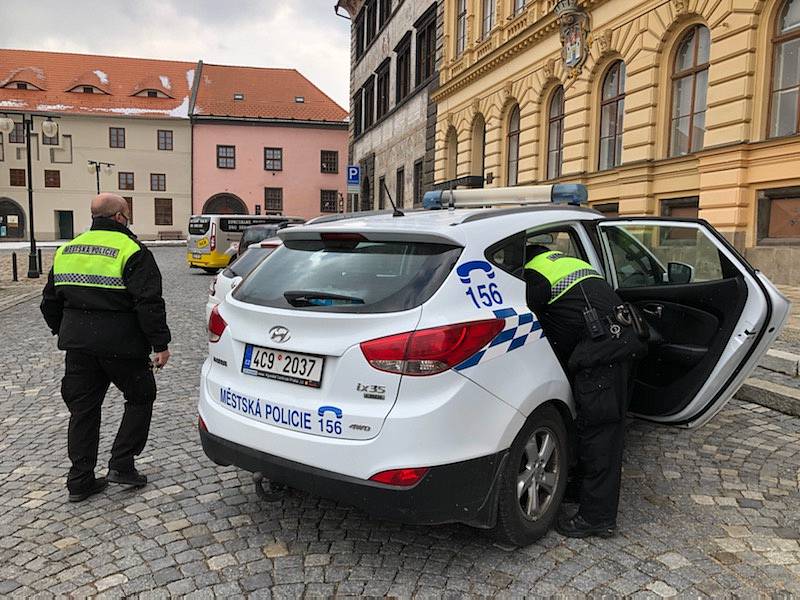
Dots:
pixel 268 94
pixel 120 78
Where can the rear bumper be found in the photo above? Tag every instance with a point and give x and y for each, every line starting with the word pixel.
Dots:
pixel 212 260
pixel 463 492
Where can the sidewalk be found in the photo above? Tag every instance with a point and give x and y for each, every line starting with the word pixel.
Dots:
pixel 23 246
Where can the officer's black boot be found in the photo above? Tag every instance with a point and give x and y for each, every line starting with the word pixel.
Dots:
pixel 578 527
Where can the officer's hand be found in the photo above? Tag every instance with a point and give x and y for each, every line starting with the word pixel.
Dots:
pixel 160 359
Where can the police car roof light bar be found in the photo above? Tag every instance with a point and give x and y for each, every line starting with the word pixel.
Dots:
pixel 574 194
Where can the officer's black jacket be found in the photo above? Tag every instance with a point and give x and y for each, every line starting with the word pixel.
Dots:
pixel 562 321
pixel 111 323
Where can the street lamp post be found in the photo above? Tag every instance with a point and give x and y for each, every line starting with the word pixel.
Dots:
pixel 96 164
pixel 50 129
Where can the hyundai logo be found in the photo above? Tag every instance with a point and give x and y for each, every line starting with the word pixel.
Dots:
pixel 279 334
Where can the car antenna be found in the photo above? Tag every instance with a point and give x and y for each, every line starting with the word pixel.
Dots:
pixel 397 212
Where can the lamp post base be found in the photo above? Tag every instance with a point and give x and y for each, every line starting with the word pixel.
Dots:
pixel 33 266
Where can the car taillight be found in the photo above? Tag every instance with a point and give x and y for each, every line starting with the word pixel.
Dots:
pixel 213 237
pixel 401 477
pixel 216 325
pixel 430 351
pixel 201 425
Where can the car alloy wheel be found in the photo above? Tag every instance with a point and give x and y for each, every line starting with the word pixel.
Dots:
pixel 533 479
pixel 539 469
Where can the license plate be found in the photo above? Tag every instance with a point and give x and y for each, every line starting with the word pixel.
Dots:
pixel 303 369
pixel 196 255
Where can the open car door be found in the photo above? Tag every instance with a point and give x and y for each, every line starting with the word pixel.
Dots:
pixel 712 317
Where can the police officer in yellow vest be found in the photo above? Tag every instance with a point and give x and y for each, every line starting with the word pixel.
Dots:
pixel 577 309
pixel 103 300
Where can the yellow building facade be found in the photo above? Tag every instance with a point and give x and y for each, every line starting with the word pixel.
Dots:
pixel 668 107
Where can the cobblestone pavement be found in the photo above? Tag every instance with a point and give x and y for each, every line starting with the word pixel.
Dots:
pixel 704 513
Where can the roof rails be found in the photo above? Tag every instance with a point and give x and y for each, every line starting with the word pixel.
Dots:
pixel 574 194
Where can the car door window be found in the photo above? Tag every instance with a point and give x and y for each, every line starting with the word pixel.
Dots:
pixel 512 253
pixel 663 254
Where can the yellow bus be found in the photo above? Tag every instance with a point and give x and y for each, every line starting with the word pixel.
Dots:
pixel 211 237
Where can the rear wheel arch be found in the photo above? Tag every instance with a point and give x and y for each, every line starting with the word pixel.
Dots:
pixel 547 425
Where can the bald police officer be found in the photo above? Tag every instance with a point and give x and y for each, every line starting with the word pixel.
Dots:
pixel 103 300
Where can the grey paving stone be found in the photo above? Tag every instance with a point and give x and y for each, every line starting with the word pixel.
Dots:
pixel 692 502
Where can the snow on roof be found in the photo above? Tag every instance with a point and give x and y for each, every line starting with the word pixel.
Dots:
pixel 52 107
pixel 101 76
pixel 12 103
pixel 165 81
pixel 190 78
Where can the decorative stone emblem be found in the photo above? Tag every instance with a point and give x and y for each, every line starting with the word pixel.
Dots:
pixel 574 23
pixel 604 40
pixel 549 68
pixel 680 6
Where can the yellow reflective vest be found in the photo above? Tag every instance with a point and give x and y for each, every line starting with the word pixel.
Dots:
pixel 562 271
pixel 95 259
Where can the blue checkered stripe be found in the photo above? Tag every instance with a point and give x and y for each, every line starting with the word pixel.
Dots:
pixel 516 333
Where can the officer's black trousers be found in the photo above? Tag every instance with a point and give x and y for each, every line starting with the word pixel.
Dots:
pixel 84 386
pixel 601 398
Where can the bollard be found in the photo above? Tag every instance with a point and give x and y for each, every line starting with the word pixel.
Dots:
pixel 14 274
pixel 39 252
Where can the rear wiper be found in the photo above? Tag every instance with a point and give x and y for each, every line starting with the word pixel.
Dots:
pixel 311 298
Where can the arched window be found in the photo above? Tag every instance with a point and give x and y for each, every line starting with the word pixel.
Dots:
pixel 689 92
pixel 785 98
pixel 451 168
pixel 478 145
pixel 612 111
pixel 555 134
pixel 513 146
pixel 224 204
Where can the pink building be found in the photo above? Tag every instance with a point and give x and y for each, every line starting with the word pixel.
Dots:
pixel 266 141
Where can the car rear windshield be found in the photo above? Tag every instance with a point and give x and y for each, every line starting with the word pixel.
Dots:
pixel 258 233
pixel 350 276
pixel 198 225
pixel 248 261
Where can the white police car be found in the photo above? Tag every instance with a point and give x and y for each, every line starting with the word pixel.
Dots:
pixel 391 362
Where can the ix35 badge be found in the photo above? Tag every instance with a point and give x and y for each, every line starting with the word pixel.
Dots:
pixel 372 392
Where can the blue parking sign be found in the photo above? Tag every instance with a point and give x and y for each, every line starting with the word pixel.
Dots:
pixel 353 176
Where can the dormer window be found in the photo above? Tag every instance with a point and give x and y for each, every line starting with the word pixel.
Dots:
pixel 86 89
pixel 151 93
pixel 238 96
pixel 299 99
pixel 21 85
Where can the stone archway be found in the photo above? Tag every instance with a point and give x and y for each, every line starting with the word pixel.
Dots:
pixel 225 204
pixel 12 220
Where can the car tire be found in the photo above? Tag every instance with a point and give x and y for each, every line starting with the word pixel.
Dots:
pixel 210 270
pixel 533 480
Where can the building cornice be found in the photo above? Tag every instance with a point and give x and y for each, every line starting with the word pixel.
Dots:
pixel 267 122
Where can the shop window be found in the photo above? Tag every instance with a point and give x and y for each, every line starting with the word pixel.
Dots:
pixel 680 208
pixel 779 215
pixel 163 211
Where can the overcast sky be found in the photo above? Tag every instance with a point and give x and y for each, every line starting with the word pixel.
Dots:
pixel 302 34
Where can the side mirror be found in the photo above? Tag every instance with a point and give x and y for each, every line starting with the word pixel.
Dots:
pixel 678 272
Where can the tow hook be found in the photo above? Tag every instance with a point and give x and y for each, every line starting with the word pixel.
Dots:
pixel 267 490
